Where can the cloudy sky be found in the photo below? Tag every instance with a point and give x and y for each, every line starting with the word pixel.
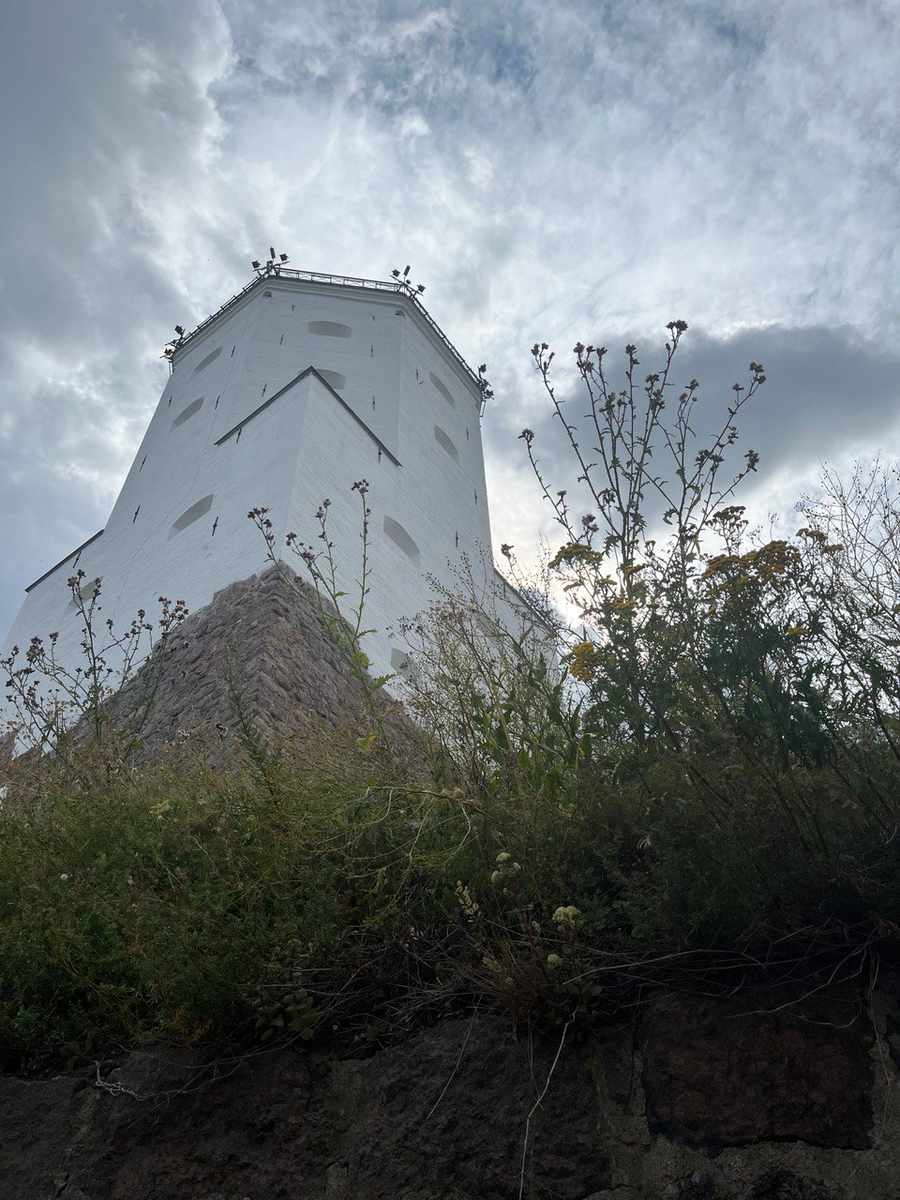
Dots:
pixel 555 170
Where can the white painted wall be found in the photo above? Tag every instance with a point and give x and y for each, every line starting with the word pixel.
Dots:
pixel 302 448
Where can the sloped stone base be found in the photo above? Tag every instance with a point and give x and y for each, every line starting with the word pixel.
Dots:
pixel 260 649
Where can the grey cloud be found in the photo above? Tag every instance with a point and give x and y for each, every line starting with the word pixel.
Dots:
pixel 550 170
pixel 829 392
pixel 109 121
pixel 829 395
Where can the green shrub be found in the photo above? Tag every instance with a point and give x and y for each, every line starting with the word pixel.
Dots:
pixel 204 905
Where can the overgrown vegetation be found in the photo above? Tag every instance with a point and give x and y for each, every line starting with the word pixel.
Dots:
pixel 702 790
pixel 53 704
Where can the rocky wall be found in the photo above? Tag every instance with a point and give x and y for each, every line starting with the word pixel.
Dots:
pixel 755 1097
pixel 261 644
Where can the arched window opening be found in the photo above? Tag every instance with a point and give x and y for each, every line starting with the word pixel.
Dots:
pixel 206 361
pixel 334 378
pixel 192 514
pixel 443 389
pixel 85 593
pixel 404 664
pixel 330 329
pixel 488 627
pixel 446 442
pixel 401 538
pixel 190 411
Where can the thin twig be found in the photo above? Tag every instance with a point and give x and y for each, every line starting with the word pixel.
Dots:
pixel 456 1067
pixel 537 1103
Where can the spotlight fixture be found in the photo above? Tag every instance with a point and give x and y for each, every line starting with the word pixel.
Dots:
pixel 272 266
pixel 171 346
pixel 413 290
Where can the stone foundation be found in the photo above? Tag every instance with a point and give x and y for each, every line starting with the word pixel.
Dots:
pixel 700 1099
pixel 261 644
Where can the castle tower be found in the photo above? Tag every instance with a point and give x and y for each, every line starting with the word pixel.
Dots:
pixel 296 388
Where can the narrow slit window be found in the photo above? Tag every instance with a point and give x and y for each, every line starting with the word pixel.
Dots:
pixel 401 538
pixel 192 514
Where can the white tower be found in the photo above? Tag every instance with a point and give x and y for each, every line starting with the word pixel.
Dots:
pixel 296 388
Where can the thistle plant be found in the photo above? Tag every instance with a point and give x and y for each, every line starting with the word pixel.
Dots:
pixel 343 615
pixel 637 451
pixel 623 430
pixel 757 676
pixel 53 702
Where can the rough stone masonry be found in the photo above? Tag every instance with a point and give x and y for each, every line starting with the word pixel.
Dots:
pixel 261 643
pixel 747 1098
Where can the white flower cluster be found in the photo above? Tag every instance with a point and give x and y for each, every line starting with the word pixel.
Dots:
pixel 566 917
pixel 506 868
